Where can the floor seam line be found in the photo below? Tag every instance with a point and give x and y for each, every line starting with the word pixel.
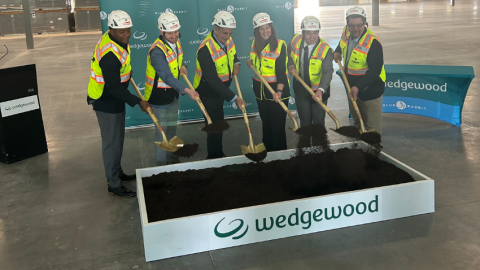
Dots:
pixel 211 258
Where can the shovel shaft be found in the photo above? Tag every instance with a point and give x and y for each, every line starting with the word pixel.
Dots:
pixel 354 103
pixel 285 108
pixel 244 112
pixel 200 104
pixel 150 111
pixel 318 100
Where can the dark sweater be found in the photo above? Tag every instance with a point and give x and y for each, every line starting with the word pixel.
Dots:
pixel 370 85
pixel 210 84
pixel 280 72
pixel 115 94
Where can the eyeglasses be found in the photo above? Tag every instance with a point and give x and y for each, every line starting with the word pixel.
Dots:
pixel 353 26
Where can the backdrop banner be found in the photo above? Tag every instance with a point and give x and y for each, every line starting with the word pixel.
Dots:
pixel 196 18
pixel 433 91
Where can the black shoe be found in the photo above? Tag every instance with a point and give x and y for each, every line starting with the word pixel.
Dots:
pixel 128 177
pixel 121 191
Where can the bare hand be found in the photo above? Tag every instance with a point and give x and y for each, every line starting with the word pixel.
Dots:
pixel 236 70
pixel 277 97
pixel 191 93
pixel 293 71
pixel 144 106
pixel 337 57
pixel 240 103
pixel 183 70
pixel 354 93
pixel 318 95
pixel 249 63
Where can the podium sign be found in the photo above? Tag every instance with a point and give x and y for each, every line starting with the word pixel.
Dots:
pixel 22 134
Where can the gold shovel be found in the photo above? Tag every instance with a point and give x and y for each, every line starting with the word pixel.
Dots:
pixel 285 108
pixel 354 103
pixel 327 110
pixel 255 152
pixel 171 146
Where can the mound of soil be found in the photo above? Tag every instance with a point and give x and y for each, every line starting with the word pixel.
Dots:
pixel 180 194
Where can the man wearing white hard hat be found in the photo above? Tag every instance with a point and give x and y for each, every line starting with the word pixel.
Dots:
pixel 108 93
pixel 313 60
pixel 268 56
pixel 362 55
pixel 217 62
pixel 162 86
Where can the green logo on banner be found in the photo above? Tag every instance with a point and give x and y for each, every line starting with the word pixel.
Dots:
pixel 232 232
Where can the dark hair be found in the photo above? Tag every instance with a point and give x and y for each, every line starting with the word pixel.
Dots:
pixel 356 16
pixel 272 40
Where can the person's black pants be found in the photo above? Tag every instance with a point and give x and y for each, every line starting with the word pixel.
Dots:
pixel 214 107
pixel 273 124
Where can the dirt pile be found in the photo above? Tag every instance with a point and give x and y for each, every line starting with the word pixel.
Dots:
pixel 187 150
pixel 216 127
pixel 193 192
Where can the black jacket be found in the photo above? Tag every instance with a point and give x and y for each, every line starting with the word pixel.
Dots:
pixel 280 73
pixel 115 94
pixel 210 84
pixel 370 85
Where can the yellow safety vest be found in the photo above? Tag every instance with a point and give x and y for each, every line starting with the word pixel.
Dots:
pixel 357 63
pixel 266 66
pixel 174 62
pixel 223 61
pixel 316 59
pixel 104 46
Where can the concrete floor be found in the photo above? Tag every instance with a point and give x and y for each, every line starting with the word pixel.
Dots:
pixel 55 212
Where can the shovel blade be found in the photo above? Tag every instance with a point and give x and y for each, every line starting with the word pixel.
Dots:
pixel 174 141
pixel 170 146
pixel 260 148
pixel 246 149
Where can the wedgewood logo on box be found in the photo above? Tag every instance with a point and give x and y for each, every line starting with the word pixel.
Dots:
pixel 305 219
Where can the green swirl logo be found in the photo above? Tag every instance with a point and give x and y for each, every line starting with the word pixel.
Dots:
pixel 232 232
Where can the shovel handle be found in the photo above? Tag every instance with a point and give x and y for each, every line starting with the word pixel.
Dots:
pixel 318 100
pixel 200 103
pixel 285 108
pixel 150 111
pixel 244 112
pixel 349 90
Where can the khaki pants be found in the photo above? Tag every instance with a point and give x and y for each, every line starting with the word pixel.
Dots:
pixel 371 111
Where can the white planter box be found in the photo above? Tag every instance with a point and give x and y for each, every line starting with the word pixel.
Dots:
pixel 187 235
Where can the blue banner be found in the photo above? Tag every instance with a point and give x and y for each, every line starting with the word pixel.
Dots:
pixel 433 91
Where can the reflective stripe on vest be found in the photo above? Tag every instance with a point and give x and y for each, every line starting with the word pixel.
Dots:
pixel 223 61
pixel 174 62
pixel 104 46
pixel 360 53
pixel 316 59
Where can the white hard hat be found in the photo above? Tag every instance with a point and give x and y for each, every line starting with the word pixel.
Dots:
pixel 261 19
pixel 119 19
pixel 168 22
pixel 224 19
pixel 356 10
pixel 310 23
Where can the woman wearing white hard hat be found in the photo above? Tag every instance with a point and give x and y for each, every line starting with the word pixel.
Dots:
pixel 362 55
pixel 269 57
pixel 107 92
pixel 162 86
pixel 312 61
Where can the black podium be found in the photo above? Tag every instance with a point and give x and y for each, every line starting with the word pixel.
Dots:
pixel 22 134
